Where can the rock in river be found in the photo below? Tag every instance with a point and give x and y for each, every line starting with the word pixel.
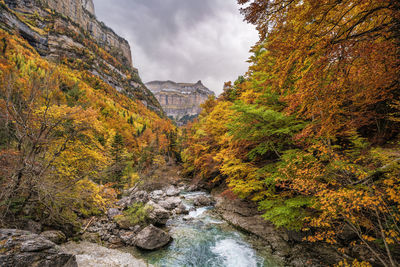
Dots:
pixel 203 201
pixel 158 215
pixel 170 203
pixel 151 238
pixel 172 191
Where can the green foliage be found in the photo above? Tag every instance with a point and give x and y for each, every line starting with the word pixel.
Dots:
pixel 136 214
pixel 130 120
pixel 74 94
pixel 288 213
pixel 271 131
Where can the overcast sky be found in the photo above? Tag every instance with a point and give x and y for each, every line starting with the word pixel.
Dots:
pixel 182 40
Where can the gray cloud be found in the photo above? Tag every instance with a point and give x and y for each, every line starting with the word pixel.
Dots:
pixel 182 40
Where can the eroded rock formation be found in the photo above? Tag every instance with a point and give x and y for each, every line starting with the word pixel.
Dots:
pixel 22 248
pixel 68 31
pixel 180 101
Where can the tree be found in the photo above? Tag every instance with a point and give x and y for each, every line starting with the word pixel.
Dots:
pixel 117 151
pixel 48 144
pixel 310 131
pixel 335 62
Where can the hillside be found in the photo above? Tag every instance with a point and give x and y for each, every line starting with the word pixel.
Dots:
pixel 68 32
pixel 77 124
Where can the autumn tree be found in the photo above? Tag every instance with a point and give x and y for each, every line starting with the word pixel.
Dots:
pixel 336 63
pixel 48 139
pixel 310 131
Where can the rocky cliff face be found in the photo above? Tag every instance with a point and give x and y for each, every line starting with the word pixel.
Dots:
pixel 68 31
pixel 181 101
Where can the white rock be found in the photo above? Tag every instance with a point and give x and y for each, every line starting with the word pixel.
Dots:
pixel 93 255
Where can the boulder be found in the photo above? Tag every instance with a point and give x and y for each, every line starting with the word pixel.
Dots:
pixel 152 238
pixel 170 203
pixel 23 248
pixel 57 237
pixel 111 213
pixel 203 201
pixel 193 187
pixel 172 191
pixel 124 202
pixel 158 215
pixel 181 209
pixel 157 195
pixel 139 196
pixel 181 188
pixel 166 205
pixel 94 255
pixel 136 228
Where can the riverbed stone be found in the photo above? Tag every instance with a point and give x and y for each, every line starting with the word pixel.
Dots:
pixel 170 203
pixel 203 201
pixel 123 222
pixel 158 215
pixel 152 238
pixel 139 196
pixel 94 255
pixel 57 237
pixel 166 205
pixel 127 237
pixel 157 195
pixel 193 187
pixel 172 191
pixel 181 209
pixel 115 241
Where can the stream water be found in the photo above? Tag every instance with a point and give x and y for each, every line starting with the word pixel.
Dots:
pixel 202 239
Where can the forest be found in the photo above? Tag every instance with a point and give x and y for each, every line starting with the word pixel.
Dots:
pixel 311 132
pixel 69 143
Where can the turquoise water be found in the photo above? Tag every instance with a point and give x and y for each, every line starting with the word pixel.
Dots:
pixel 201 239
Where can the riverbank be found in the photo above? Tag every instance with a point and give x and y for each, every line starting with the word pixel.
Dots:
pixel 183 225
pixel 202 238
pixel 285 246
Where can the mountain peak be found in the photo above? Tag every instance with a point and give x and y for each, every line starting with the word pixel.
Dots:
pixel 180 101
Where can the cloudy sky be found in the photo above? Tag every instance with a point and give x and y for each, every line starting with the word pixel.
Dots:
pixel 182 40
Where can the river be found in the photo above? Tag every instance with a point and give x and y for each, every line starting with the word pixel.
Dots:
pixel 202 239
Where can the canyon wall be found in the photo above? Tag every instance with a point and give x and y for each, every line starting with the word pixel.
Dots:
pixel 180 101
pixel 68 32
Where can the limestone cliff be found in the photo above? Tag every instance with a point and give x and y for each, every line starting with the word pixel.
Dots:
pixel 67 31
pixel 180 101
